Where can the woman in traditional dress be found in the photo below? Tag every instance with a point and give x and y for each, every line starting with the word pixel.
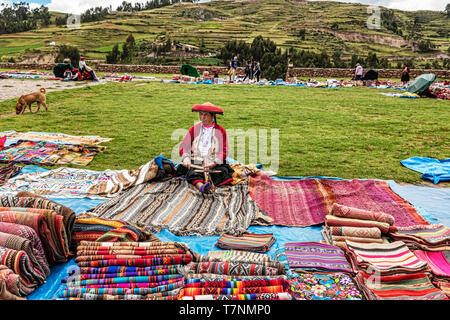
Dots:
pixel 204 151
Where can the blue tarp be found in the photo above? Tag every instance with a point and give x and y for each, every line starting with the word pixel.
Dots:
pixel 431 169
pixel 432 203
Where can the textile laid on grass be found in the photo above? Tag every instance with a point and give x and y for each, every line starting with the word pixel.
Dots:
pixel 440 267
pixel 127 270
pixel 54 137
pixel 315 256
pixel 183 210
pixel 45 153
pixel 60 182
pixel 157 169
pixel 247 241
pixel 9 171
pixel 307 202
pixel 323 286
pixel 401 286
pixel 432 169
pixel 106 230
pixel 434 237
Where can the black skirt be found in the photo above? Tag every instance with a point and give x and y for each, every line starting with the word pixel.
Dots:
pixel 405 77
pixel 225 176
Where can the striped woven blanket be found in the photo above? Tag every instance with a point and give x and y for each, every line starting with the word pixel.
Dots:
pixel 250 296
pixel 247 242
pixel 437 262
pixel 434 237
pixel 13 282
pixel 230 268
pixel 8 171
pixel 179 207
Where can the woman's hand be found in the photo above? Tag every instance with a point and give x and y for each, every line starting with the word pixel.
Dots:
pixel 186 162
pixel 211 165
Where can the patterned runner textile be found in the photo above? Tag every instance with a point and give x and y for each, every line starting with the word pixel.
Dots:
pixel 180 208
pixel 250 296
pixel 55 137
pixel 316 256
pixel 349 212
pixel 247 241
pixel 334 221
pixel 434 237
pixel 323 286
pixel 306 202
pixel 230 268
pixel 415 286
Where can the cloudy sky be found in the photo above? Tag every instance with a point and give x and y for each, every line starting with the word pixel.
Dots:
pixel 78 6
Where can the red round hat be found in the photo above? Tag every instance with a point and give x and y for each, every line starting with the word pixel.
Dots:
pixel 207 107
pixel 82 58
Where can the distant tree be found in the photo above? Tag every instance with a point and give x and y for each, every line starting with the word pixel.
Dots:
pixel 425 45
pixel 435 64
pixel 114 56
pixel 70 52
pixel 414 29
pixel 302 34
pixel 372 60
pixel 61 20
pixel 447 10
pixel 335 26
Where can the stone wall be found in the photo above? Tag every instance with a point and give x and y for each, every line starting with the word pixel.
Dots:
pixel 292 72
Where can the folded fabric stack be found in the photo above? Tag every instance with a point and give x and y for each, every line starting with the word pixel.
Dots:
pixel 247 242
pixel 11 286
pixel 391 271
pixel 127 271
pixel 234 275
pixel 34 234
pixel 440 267
pixel 435 237
pixel 357 225
pixel 88 228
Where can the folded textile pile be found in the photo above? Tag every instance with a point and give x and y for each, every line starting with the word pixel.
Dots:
pixel 438 261
pixel 243 172
pixel 89 228
pixel 315 256
pixel 234 275
pixel 323 286
pixel 247 242
pixel 357 225
pixel 8 171
pixel 11 286
pixel 46 153
pixel 156 169
pixel 435 237
pixel 127 271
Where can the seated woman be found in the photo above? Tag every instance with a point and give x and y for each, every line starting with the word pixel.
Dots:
pixel 204 148
pixel 85 68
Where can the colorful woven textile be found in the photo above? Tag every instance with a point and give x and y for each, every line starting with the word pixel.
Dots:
pixel 373 232
pixel 55 137
pixel 21 244
pixel 243 172
pixel 179 207
pixel 136 262
pixel 384 258
pixel 316 256
pixel 45 153
pixel 30 234
pixel 169 295
pixel 306 202
pixel 434 237
pixel 118 280
pixel 339 241
pixel 247 241
pixel 323 286
pixel 13 282
pixel 230 268
pixel 333 221
pixel 349 212
pixel 8 171
pixel 296 203
pixel 89 245
pixel 416 286
pixel 230 291
pixel 251 296
pixel 214 276
pixel 127 257
pixel 240 256
pixel 436 261
pixel 154 270
pixel 19 262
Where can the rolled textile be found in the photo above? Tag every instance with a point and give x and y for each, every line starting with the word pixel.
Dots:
pixel 117 280
pixel 235 283
pixel 132 251
pixel 20 263
pixel 155 273
pixel 127 245
pixel 230 291
pixel 333 221
pixel 350 212
pixel 127 285
pixel 356 239
pixel 13 282
pixel 199 277
pixel 39 224
pixel 250 296
pixel 30 234
pixel 14 242
pixel 158 269
pixel 80 258
pixel 169 295
pixel 358 232
pixel 247 241
pixel 230 268
pixel 136 262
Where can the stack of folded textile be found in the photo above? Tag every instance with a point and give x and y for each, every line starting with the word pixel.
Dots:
pixel 234 275
pixel 247 242
pixel 435 237
pixel 438 261
pixel 35 233
pixel 319 271
pixel 391 271
pixel 127 271
pixel 89 228
pixel 357 225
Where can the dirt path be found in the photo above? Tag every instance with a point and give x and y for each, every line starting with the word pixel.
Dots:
pixel 14 88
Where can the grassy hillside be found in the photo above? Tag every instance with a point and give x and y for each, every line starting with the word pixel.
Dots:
pixel 329 25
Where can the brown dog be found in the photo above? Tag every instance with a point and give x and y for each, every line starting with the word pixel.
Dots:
pixel 27 100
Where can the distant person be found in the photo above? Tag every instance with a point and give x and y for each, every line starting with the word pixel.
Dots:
pixel 247 70
pixel 67 74
pixel 358 72
pixel 257 73
pixel 405 73
pixel 76 75
pixel 234 64
pixel 252 69
pixel 84 68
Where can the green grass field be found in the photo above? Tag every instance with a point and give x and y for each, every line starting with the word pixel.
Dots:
pixel 347 132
